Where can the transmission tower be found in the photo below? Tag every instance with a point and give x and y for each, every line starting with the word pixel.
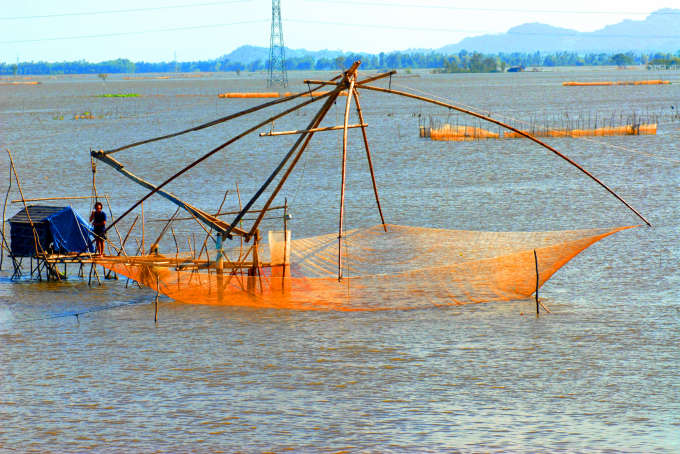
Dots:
pixel 277 55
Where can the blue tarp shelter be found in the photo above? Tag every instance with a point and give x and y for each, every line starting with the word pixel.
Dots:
pixel 60 230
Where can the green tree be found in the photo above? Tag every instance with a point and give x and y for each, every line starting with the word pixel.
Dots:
pixel 621 60
pixel 340 62
pixel 15 68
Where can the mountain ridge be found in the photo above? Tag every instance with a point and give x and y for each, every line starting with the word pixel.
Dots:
pixel 639 36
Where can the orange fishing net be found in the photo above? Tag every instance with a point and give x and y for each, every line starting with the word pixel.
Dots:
pixel 626 130
pixel 248 95
pixel 403 268
pixel 461 133
pixel 621 82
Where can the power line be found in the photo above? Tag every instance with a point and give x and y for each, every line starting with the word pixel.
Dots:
pixel 487 9
pixel 133 33
pixel 124 10
pixel 572 35
pixel 341 24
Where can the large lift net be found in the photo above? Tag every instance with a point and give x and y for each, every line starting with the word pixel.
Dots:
pixel 403 268
pixel 380 267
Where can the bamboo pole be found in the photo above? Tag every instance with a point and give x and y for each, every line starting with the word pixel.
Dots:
pixel 164 231
pixel 212 123
pixel 303 131
pixel 208 235
pixel 158 291
pixel 113 219
pixel 176 245
pixel 57 198
pixel 240 207
pixel 344 174
pixel 36 241
pixel 4 208
pixel 528 136
pixel 361 82
pixel 143 230
pixel 306 138
pixel 285 238
pixel 205 217
pixel 368 155
pixel 219 214
pixel 221 228
pixel 129 232
pixel 36 238
pixel 301 143
pixel 537 279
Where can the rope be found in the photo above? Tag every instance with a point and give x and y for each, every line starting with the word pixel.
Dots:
pixel 77 314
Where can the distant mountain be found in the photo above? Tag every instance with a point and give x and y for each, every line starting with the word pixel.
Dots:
pixel 659 31
pixel 247 54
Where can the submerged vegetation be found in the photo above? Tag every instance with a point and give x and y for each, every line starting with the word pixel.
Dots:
pixel 120 95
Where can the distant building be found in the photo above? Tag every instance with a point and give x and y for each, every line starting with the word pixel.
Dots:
pixel 516 69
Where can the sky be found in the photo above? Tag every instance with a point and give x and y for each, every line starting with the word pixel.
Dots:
pixel 207 29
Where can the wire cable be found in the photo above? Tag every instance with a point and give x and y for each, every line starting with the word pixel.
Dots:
pixel 138 33
pixel 448 30
pixel 122 10
pixel 390 5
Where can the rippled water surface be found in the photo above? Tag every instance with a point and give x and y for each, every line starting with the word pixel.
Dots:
pixel 598 374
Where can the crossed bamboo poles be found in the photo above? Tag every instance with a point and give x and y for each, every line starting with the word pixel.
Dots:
pixel 348 81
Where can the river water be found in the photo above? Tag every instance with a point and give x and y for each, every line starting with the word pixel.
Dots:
pixel 598 374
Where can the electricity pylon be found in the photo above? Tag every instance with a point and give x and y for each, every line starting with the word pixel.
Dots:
pixel 277 54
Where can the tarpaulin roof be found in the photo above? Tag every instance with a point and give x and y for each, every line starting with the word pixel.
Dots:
pixel 70 231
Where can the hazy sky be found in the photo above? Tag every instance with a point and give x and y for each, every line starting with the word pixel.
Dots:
pixel 372 26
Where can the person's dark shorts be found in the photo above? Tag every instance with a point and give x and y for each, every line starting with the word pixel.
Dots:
pixel 100 232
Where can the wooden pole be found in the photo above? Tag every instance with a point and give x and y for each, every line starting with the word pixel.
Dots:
pixel 344 174
pixel 522 133
pixel 368 155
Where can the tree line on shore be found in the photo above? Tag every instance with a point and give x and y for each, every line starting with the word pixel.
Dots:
pixel 463 61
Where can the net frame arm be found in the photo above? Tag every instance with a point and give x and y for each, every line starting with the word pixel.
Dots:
pixel 522 133
pixel 214 122
pixel 100 156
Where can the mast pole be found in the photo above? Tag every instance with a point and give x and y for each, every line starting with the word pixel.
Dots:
pixel 344 175
pixel 368 155
pixel 317 120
